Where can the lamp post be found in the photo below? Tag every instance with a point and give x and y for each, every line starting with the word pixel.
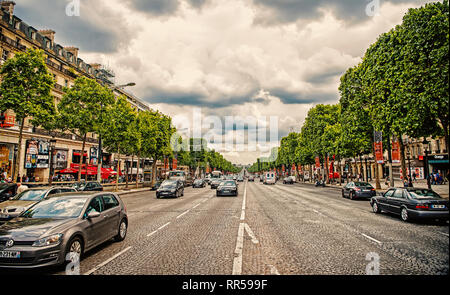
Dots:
pixel 425 144
pixel 410 184
pixel 52 150
pixel 16 149
pixel 367 170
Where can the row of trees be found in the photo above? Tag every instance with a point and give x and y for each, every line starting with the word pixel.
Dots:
pixel 86 107
pixel 400 88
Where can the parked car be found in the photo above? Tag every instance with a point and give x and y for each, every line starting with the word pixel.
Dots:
pixel 289 180
pixel 7 191
pixel 199 183
pixel 70 223
pixel 26 199
pixel 412 203
pixel 170 188
pixel 358 190
pixel 227 188
pixel 89 186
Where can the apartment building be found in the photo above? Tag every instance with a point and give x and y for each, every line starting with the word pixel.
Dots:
pixel 66 65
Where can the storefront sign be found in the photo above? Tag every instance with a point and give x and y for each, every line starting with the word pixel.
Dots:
pixel 93 156
pixel 60 159
pixel 317 162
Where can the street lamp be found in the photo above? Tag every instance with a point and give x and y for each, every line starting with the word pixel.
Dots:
pixel 52 149
pixel 367 170
pixel 425 144
pixel 410 184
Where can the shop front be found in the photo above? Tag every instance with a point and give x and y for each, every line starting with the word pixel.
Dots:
pixel 6 160
pixel 438 163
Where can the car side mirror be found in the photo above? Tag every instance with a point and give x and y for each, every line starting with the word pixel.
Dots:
pixel 93 214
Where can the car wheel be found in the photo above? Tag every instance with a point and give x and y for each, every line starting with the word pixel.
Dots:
pixel 343 194
pixel 351 196
pixel 182 193
pixel 123 227
pixel 157 196
pixel 404 214
pixel 375 208
pixel 75 245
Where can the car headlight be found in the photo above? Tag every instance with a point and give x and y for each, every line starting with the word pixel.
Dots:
pixel 173 190
pixel 48 241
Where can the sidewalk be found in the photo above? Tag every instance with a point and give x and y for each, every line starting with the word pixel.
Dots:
pixel 442 190
pixel 131 191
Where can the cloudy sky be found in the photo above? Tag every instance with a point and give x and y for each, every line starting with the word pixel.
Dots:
pixel 256 58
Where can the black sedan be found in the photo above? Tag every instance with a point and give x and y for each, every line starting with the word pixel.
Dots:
pixel 358 190
pixel 227 188
pixel 7 191
pixel 215 182
pixel 412 203
pixel 64 224
pixel 199 183
pixel 170 188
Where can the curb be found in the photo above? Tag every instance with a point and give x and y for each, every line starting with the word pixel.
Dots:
pixel 122 193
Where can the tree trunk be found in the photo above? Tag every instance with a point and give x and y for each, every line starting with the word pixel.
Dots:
pixel 310 173
pixel 19 151
pixel 340 171
pixel 153 171
pixel 377 174
pixel 118 170
pixel 138 166
pixel 82 158
pixel 402 159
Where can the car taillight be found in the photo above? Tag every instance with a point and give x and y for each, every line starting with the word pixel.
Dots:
pixel 372 189
pixel 421 206
pixel 357 189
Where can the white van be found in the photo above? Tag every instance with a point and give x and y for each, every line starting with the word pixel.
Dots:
pixel 270 178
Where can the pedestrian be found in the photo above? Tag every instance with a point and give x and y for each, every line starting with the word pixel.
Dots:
pixel 414 175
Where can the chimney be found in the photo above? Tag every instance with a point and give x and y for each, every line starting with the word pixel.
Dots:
pixel 49 34
pixel 74 51
pixel 8 6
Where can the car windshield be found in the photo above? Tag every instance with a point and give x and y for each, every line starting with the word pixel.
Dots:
pixel 30 195
pixel 60 208
pixel 3 186
pixel 423 194
pixel 198 181
pixel 363 184
pixel 176 174
pixel 228 183
pixel 169 184
pixel 79 185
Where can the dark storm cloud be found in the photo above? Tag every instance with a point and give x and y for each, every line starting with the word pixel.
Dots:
pixel 288 97
pixel 323 78
pixel 92 31
pixel 291 10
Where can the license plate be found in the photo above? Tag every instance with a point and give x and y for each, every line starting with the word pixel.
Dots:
pixel 438 206
pixel 4 216
pixel 8 254
pixel 226 192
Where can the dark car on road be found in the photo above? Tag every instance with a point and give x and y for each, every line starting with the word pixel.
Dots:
pixel 21 202
pixel 288 180
pixel 240 179
pixel 358 190
pixel 251 178
pixel 412 203
pixel 215 182
pixel 7 191
pixel 227 188
pixel 170 188
pixel 199 183
pixel 71 223
pixel 89 186
pixel 156 185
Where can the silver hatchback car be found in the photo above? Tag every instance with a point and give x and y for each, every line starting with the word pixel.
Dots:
pixel 64 224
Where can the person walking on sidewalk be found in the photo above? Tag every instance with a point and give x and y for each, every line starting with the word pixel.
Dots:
pixel 414 175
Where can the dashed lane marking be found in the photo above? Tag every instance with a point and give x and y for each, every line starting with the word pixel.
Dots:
pixel 181 215
pixel 107 261
pixel 372 239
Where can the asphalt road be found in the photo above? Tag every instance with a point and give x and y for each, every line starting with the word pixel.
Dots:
pixel 280 229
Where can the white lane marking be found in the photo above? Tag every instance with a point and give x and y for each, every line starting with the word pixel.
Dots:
pixel 273 270
pixel 179 216
pixel 370 238
pixel 445 234
pixel 237 262
pixel 160 228
pixel 107 261
pixel 196 206
pixel 163 226
pixel 243 202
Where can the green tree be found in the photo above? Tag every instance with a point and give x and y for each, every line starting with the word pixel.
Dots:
pixel 83 109
pixel 25 89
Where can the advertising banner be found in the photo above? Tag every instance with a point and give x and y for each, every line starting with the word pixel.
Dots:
pixel 37 154
pixel 378 146
pixel 317 162
pixel 60 159
pixel 395 151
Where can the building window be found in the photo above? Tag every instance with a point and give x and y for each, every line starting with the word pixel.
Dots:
pixel 438 146
pixel 17 26
pixel 5 55
pixel 66 83
pixel 33 35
